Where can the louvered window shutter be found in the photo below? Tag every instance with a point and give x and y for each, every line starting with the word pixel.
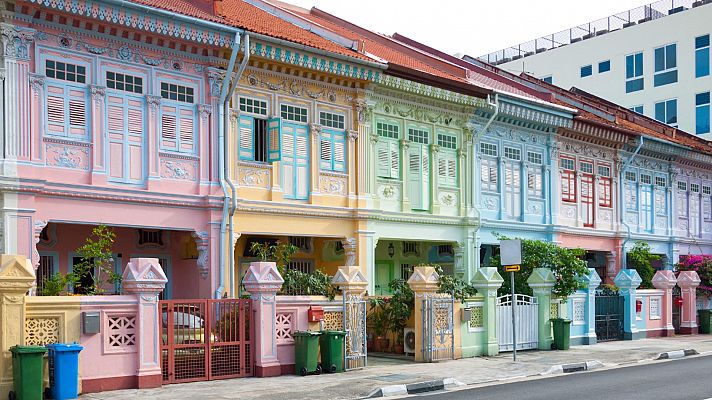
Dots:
pixel 447 168
pixel 66 110
pixel 245 138
pixel 115 116
pixel 383 158
pixel 416 176
pixel 187 130
pixel 274 147
pixel 135 121
pixel 169 127
pixel 394 150
pixel 326 157
pixel 339 152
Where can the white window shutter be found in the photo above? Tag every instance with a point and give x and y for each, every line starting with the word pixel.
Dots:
pixel 395 158
pixel 383 158
pixel 326 156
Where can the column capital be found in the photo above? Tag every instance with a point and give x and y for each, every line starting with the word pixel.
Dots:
pixel 688 280
pixel 37 83
pixel 98 93
pixel 144 277
pixel 201 243
pixel 542 280
pixel 153 102
pixel 592 280
pixel 352 135
pixel 16 275
pixel 487 280
pixel 205 110
pixel 16 41
pixel 262 278
pixel 627 279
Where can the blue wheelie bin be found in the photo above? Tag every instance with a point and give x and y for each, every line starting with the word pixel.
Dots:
pixel 63 370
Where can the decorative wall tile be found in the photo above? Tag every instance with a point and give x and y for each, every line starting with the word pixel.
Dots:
pixel 333 321
pixel 41 331
pixel 254 177
pixel 120 335
pixel 284 327
pixel 477 318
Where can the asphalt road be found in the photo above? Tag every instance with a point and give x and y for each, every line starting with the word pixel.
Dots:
pixel 685 379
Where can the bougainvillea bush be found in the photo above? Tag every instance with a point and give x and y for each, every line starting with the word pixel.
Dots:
pixel 702 264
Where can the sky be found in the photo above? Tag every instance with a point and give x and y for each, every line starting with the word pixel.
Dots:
pixel 473 27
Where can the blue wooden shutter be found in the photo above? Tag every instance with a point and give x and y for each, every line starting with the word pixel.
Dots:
pixel 274 139
pixel 245 142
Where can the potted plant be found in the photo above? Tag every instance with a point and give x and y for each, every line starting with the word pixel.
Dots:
pixel 398 311
pixel 379 323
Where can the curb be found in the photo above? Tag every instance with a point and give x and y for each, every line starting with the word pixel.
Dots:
pixel 414 388
pixel 574 367
pixel 669 355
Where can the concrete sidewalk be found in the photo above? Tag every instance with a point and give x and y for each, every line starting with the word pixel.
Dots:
pixel 385 372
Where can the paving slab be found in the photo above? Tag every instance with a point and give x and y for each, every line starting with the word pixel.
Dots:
pixel 383 372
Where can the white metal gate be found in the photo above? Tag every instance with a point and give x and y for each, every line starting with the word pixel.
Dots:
pixel 355 327
pixel 438 328
pixel 526 314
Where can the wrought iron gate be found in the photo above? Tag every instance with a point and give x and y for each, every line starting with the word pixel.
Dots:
pixel 355 327
pixel 526 314
pixel 676 309
pixel 205 339
pixel 438 328
pixel 609 317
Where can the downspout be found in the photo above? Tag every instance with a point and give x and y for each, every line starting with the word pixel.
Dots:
pixel 233 190
pixel 475 140
pixel 621 195
pixel 222 127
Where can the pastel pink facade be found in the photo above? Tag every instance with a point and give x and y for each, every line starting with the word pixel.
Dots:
pixel 115 126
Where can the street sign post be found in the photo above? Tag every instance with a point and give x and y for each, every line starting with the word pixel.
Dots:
pixel 510 253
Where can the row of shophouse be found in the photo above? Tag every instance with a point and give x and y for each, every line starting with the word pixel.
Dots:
pixel 197 128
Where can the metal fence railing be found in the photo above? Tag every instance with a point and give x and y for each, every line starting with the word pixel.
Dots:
pixel 638 15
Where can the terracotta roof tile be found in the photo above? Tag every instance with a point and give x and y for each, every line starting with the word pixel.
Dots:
pixel 202 9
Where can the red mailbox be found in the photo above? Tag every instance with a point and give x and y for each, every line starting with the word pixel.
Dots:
pixel 638 306
pixel 315 314
pixel 678 301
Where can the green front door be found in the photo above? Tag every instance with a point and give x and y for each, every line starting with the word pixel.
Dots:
pixel 384 274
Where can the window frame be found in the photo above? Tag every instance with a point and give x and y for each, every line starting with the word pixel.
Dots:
pixel 702 110
pixel 569 175
pixel 702 55
pixel 253 106
pixel 142 78
pixel 283 112
pixel 606 64
pixel 669 69
pixel 666 105
pixel 586 70
pixel 194 96
pixel 632 77
pixel 67 86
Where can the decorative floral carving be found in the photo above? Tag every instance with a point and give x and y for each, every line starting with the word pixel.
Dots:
pixel 215 80
pixel 153 102
pixel 534 208
pixel 388 192
pixel 96 50
pixel 364 110
pixel 201 242
pixel 447 199
pixel 569 211
pixel 490 203
pixel 97 92
pixel 67 157
pixel 16 41
pixel 125 53
pixel 36 83
pixel 255 177
pixel 352 135
pixel 181 170
pixel 333 185
pixel 420 114
pixel 41 331
pixel 205 110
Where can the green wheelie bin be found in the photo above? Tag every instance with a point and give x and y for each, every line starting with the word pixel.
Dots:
pixel 562 333
pixel 27 370
pixel 331 346
pixel 306 352
pixel 705 326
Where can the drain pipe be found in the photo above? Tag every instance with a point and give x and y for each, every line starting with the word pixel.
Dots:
pixel 221 166
pixel 621 195
pixel 233 190
pixel 475 140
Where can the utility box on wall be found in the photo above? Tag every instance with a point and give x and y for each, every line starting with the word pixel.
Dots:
pixel 91 322
pixel 315 314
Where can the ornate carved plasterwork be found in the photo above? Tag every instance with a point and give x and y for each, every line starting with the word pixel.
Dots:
pixel 352 135
pixel 97 92
pixel 447 199
pixel 294 87
pixel 643 162
pixel 201 242
pixel 205 110
pixel 184 170
pixel 153 102
pixel 586 150
pixel 389 192
pixel 349 245
pixel 490 203
pixel 516 134
pixel 363 110
pixel 315 130
pixel 335 185
pixel 37 83
pixel 36 235
pixel 534 208
pixel 64 156
pixel 254 177
pixel 421 114
pixel 16 41
pixel 215 80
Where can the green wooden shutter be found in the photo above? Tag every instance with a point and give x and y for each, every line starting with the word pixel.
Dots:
pixel 447 168
pixel 274 138
pixel 245 145
pixel 419 177
pixel 383 158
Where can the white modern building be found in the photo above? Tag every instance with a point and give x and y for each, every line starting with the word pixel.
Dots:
pixel 654 59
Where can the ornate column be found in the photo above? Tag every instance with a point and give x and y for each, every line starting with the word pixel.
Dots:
pixel 688 282
pixel 487 281
pixel 16 277
pixel 611 269
pixel 424 283
pixel 434 178
pixel 201 243
pixel 351 163
pixel 37 84
pixel 501 171
pixel 315 130
pixel 154 105
pixel 628 281
pixel 523 188
pixel 463 179
pixel 263 281
pixel 552 183
pixel 204 113
pixel 405 172
pixel 366 174
pixel 215 79
pixel 541 281
pixel 353 284
pixel 96 133
pixel 350 248
pixel 590 282
pixel 145 278
pixel 665 280
pixel 371 179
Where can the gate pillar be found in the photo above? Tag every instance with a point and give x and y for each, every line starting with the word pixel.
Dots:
pixel 353 285
pixel 541 281
pixel 263 281
pixel 688 282
pixel 144 278
pixel 665 280
pixel 590 282
pixel 628 281
pixel 16 277
pixel 487 281
pixel 424 283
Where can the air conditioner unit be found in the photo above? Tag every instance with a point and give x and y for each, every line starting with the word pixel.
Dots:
pixel 409 341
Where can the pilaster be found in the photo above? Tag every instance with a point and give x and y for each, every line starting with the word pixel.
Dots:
pixel 665 280
pixel 688 282
pixel 424 283
pixel 590 283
